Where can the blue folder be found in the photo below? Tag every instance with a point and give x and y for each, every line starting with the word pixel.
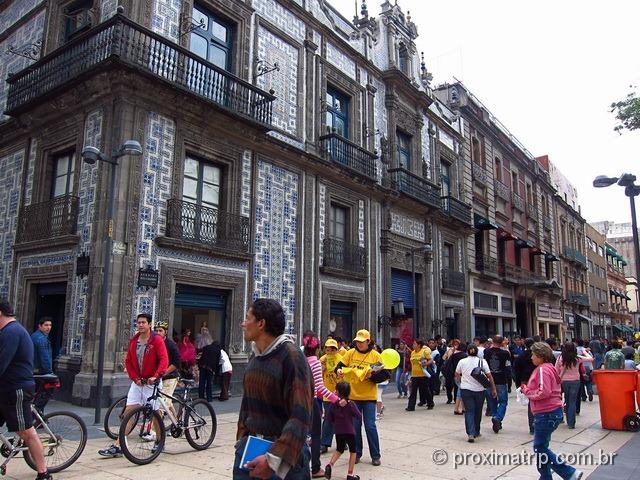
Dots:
pixel 254 447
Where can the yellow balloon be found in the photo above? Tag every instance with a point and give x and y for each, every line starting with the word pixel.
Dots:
pixel 390 358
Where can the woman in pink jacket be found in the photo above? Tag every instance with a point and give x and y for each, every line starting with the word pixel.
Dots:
pixel 544 393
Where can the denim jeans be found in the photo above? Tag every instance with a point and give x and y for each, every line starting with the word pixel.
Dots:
pixel 300 471
pixel 599 360
pixel 368 410
pixel 571 390
pixel 401 384
pixel 546 461
pixel 498 405
pixel 473 403
pixel 327 427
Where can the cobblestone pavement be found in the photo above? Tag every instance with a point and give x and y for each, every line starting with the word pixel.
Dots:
pixel 425 444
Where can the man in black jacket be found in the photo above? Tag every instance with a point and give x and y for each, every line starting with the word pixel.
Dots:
pixel 523 368
pixel 170 378
pixel 499 361
pixel 209 364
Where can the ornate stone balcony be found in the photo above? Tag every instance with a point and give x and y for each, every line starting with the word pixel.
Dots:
pixel 502 191
pixel 479 173
pixel 518 202
pixel 119 41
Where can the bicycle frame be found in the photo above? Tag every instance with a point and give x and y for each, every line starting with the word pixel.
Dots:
pixel 184 403
pixel 17 447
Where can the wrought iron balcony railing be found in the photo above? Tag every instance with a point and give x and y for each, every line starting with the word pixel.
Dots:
pixel 516 274
pixel 41 221
pixel 456 209
pixel 207 226
pixel 578 297
pixel 518 202
pixel 502 191
pixel 574 255
pixel 479 173
pixel 340 255
pixel 346 153
pixel 416 187
pixel 122 41
pixel 452 280
pixel 486 264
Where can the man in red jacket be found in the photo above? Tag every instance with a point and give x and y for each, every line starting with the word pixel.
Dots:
pixel 146 361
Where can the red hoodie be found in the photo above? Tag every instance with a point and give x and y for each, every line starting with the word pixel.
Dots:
pixel 154 362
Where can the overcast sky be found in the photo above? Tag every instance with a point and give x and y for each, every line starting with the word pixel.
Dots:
pixel 548 70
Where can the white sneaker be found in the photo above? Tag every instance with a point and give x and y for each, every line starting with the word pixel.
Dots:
pixel 149 436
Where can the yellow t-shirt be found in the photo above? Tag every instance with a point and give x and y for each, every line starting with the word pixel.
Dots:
pixel 330 379
pixel 342 351
pixel 361 389
pixel 416 361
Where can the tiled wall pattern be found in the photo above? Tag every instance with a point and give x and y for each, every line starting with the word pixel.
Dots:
pixel 165 18
pixel 86 217
pixel 245 204
pixel 322 218
pixel 338 59
pixel 29 33
pixel 108 9
pixel 282 18
pixel 10 186
pixel 426 146
pixel 276 209
pixel 273 48
pixel 30 171
pixel 15 11
pixel 157 165
pixel 361 223
pixel 380 120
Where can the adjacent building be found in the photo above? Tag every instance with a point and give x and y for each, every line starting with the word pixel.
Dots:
pixel 598 285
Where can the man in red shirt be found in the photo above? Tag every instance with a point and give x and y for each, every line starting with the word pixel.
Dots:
pixel 146 361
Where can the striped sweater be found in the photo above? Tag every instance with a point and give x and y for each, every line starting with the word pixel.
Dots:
pixel 319 387
pixel 277 401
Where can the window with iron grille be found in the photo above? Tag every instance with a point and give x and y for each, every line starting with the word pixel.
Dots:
pixel 485 301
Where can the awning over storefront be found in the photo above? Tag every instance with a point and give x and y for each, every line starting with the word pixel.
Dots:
pixel 550 257
pixel 583 318
pixel 483 223
pixel 623 328
pixel 522 243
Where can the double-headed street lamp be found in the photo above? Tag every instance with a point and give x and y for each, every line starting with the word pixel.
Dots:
pixel 631 190
pixel 91 155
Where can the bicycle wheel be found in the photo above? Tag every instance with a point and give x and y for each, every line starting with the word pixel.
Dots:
pixel 200 424
pixel 113 417
pixel 67 443
pixel 142 435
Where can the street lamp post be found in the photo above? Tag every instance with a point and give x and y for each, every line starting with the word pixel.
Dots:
pixel 91 155
pixel 631 190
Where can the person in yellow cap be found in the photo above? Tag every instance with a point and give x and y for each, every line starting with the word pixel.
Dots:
pixel 329 362
pixel 364 392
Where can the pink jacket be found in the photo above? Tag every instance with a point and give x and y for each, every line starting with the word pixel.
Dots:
pixel 543 389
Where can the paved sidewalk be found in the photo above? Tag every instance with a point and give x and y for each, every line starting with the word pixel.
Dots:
pixel 412 443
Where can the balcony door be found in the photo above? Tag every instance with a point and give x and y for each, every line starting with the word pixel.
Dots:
pixel 62 185
pixel 201 200
pixel 337 113
pixel 338 235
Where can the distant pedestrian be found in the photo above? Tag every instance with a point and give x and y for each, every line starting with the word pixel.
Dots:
pixel 472 391
pixel 342 417
pixel 543 391
pixel 568 367
pixel 522 370
pixel 208 367
pixel 499 361
pixel 597 350
pixel 403 369
pixel 420 364
pixel 329 362
pixel 614 358
pixel 226 372
pixel 42 360
pixel 277 400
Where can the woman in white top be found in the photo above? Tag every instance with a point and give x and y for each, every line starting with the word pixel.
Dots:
pixel 473 391
pixel 226 370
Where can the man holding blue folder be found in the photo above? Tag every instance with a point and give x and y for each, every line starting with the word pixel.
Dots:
pixel 277 401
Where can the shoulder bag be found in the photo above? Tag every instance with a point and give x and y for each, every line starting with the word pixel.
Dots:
pixel 479 376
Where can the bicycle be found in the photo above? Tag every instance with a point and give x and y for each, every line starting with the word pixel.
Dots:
pixel 63 435
pixel 195 418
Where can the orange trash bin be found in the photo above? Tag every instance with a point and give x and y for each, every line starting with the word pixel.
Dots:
pixel 617 390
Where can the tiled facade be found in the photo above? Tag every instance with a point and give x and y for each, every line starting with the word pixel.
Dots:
pixel 11 166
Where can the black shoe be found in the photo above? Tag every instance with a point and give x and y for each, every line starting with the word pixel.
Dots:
pixel 327 471
pixel 376 462
pixel 430 407
pixel 44 476
pixel 497 425
pixel 410 409
pixel 353 477
pixel 591 397
pixel 471 439
pixel 449 402
pixel 421 404
pixel 358 458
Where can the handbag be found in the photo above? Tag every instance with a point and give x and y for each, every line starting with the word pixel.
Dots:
pixel 479 376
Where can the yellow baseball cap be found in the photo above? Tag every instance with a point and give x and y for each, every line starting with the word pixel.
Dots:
pixel 362 336
pixel 331 343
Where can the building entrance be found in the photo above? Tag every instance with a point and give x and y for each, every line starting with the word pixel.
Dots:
pixel 50 302
pixel 197 306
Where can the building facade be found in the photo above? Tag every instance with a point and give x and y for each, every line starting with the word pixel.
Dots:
pixel 621 319
pixel 598 286
pixel 512 282
pixel 334 183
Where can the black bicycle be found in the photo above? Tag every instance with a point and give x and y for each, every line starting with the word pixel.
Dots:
pixel 143 431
